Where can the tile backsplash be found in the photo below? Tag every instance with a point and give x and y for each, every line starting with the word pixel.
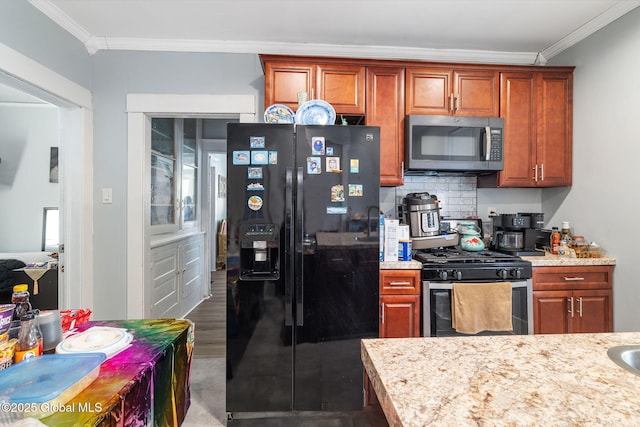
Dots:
pixel 457 194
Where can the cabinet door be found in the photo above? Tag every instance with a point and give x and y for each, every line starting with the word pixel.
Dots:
pixel 517 107
pixel 554 119
pixel 592 311
pixel 384 107
pixel 166 276
pixel 342 86
pixel 283 82
pixel 550 312
pixel 476 93
pixel 399 316
pixel 428 91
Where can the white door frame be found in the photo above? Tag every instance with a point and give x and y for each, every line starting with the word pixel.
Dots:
pixel 140 107
pixel 76 168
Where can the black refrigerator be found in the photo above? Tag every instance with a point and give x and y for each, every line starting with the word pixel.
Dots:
pixel 302 264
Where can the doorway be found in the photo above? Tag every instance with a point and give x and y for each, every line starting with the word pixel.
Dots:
pixel 140 107
pixel 75 277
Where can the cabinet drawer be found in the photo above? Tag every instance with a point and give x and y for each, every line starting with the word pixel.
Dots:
pixel 399 282
pixel 575 277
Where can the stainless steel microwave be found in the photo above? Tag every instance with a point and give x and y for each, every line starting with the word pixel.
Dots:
pixel 453 144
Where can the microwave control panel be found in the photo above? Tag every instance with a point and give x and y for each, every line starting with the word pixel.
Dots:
pixel 496 145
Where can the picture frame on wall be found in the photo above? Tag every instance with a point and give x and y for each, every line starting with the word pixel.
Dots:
pixel 53 165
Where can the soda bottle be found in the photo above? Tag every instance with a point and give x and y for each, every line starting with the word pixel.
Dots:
pixel 28 345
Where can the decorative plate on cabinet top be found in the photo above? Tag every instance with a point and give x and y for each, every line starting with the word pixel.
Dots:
pixel 316 112
pixel 279 113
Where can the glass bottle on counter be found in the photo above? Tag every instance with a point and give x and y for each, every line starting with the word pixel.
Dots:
pixel 555 240
pixel 28 345
pixel 565 233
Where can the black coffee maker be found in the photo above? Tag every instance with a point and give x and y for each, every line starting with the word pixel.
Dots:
pixel 516 234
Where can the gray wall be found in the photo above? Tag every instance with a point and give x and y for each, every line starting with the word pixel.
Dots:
pixel 604 198
pixel 27 30
pixel 27 134
pixel 116 74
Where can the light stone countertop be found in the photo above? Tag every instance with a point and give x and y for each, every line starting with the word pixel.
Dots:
pixel 401 265
pixel 549 260
pixel 523 380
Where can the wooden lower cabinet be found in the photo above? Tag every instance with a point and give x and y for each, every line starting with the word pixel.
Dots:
pixel 572 299
pixel 399 303
pixel 400 292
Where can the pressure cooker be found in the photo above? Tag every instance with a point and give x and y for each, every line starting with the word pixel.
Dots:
pixel 422 213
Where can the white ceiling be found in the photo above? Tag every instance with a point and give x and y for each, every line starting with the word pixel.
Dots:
pixel 505 31
pixel 485 31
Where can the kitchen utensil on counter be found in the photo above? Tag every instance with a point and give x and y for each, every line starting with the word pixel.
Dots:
pixel 422 213
pixel 470 237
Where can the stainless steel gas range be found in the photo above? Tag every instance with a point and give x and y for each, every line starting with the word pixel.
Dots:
pixel 442 267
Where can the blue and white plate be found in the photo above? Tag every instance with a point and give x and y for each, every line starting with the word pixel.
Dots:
pixel 316 112
pixel 279 113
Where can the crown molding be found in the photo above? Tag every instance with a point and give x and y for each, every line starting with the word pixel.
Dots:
pixel 308 49
pixel 610 15
pixel 56 14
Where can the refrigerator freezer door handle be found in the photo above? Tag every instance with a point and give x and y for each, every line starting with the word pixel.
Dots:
pixel 289 237
pixel 299 252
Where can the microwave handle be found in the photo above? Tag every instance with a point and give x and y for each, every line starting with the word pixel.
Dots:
pixel 487 143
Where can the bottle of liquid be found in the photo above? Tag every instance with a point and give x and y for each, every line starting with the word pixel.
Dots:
pixel 20 298
pixel 27 345
pixel 565 233
pixel 555 240
pixel 36 324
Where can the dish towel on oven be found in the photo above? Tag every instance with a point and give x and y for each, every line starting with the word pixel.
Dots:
pixel 477 307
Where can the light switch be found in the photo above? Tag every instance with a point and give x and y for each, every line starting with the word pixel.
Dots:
pixel 107 195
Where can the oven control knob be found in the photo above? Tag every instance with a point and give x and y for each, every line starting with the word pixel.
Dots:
pixel 443 274
pixel 503 274
pixel 516 273
pixel 458 275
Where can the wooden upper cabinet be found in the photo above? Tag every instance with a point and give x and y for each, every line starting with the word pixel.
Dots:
pixel 342 86
pixel 554 117
pixel 452 92
pixel 537 112
pixel 385 108
pixel 283 82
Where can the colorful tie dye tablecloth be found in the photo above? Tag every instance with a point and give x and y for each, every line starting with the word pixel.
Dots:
pixel 147 384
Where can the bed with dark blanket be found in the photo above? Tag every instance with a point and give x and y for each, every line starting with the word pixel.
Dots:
pixel 6 274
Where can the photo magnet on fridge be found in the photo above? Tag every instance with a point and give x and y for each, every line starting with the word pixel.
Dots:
pixel 317 145
pixel 314 165
pixel 241 157
pixel 337 193
pixel 259 157
pixel 256 141
pixel 333 164
pixel 354 166
pixel 273 157
pixel 254 173
pixel 355 190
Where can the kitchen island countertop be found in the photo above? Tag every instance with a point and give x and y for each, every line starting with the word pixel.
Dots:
pixel 524 380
